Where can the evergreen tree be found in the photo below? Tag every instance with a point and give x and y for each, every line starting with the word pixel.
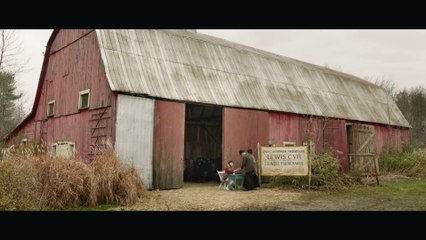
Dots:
pixel 10 65
pixel 8 96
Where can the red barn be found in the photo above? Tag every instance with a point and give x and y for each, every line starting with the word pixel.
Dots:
pixel 179 104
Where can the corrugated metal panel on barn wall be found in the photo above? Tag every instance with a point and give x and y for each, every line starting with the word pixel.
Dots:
pixel 169 137
pixel 135 135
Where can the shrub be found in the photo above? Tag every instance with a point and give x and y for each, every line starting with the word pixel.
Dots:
pixel 325 175
pixel 19 188
pixel 408 161
pixel 29 180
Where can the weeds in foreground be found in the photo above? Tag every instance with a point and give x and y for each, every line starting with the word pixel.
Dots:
pixel 29 182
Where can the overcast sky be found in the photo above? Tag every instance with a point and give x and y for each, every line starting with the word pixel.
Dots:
pixel 398 55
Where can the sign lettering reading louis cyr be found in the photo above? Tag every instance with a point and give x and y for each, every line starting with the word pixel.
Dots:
pixel 284 161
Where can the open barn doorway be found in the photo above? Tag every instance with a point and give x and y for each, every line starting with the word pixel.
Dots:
pixel 203 143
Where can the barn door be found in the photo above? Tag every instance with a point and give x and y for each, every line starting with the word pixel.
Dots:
pixel 334 139
pixel 169 129
pixel 362 147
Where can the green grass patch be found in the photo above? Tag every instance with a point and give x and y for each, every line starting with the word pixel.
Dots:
pixel 396 195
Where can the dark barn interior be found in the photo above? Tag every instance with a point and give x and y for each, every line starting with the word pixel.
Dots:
pixel 203 143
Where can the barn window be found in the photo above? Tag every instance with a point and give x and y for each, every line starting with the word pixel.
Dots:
pixel 51 108
pixel 63 149
pixel 84 99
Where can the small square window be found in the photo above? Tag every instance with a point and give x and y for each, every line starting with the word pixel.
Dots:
pixel 51 108
pixel 84 99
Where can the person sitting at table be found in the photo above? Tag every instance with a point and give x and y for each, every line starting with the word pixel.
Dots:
pixel 229 169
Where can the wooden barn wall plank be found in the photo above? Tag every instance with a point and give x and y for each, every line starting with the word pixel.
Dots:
pixel 242 129
pixel 74 65
pixel 169 134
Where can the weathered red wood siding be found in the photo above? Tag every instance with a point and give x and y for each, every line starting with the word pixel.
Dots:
pixel 74 65
pixel 395 136
pixel 336 139
pixel 242 129
pixel 285 127
pixel 169 135
pixel 326 133
pixel 30 131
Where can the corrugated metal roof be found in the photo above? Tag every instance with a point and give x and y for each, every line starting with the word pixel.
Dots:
pixel 188 66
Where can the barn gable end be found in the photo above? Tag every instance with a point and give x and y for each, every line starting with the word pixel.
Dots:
pixel 72 64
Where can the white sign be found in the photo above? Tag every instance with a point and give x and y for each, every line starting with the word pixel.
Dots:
pixel 284 161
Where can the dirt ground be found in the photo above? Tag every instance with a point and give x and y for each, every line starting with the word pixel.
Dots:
pixel 207 197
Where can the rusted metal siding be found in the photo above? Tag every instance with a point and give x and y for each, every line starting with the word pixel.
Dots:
pixel 186 66
pixel 134 134
pixel 74 64
pixel 169 130
pixel 242 129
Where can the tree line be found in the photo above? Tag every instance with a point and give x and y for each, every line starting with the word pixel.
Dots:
pixel 412 103
pixel 11 109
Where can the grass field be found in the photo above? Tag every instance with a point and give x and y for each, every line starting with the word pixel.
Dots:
pixel 396 194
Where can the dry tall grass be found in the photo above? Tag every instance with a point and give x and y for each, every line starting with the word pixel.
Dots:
pixel 19 187
pixel 65 182
pixel 28 182
pixel 116 181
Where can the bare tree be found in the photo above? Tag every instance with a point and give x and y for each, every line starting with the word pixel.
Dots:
pixel 11 108
pixel 386 83
pixel 10 48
